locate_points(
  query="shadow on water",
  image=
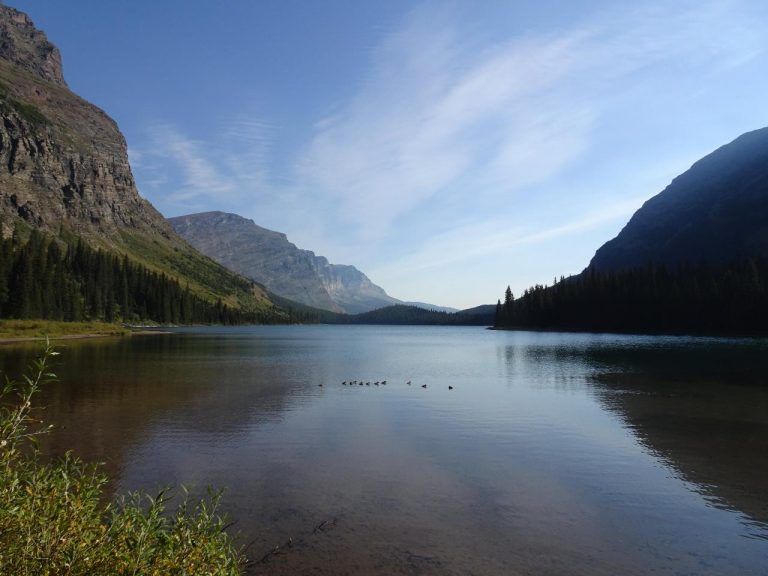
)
(700, 405)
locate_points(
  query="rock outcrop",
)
(64, 161)
(28, 48)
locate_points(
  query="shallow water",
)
(553, 454)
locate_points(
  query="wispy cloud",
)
(225, 170)
(494, 236)
(431, 116)
(451, 145)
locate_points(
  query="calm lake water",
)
(553, 454)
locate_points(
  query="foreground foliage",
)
(53, 520)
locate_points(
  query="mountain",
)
(692, 260)
(432, 307)
(64, 160)
(349, 288)
(715, 213)
(64, 171)
(263, 255)
(269, 258)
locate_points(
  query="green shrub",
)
(53, 520)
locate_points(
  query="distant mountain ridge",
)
(714, 213)
(432, 307)
(268, 257)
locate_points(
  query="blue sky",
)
(446, 149)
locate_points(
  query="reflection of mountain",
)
(703, 410)
(111, 403)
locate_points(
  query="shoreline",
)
(22, 339)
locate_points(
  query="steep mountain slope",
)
(64, 170)
(714, 213)
(64, 159)
(269, 258)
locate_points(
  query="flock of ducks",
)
(377, 383)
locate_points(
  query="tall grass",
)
(53, 519)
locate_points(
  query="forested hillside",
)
(689, 299)
(43, 277)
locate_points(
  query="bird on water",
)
(423, 385)
(450, 387)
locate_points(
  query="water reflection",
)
(704, 412)
(698, 404)
(553, 454)
(113, 394)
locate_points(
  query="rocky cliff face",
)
(349, 288)
(25, 46)
(714, 213)
(270, 259)
(64, 161)
(64, 167)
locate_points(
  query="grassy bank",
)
(53, 520)
(18, 329)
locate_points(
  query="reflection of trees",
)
(701, 405)
(703, 409)
(111, 392)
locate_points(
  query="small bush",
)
(53, 520)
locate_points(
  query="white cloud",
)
(431, 116)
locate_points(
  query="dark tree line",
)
(701, 299)
(46, 279)
(402, 314)
(397, 314)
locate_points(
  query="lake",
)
(552, 454)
